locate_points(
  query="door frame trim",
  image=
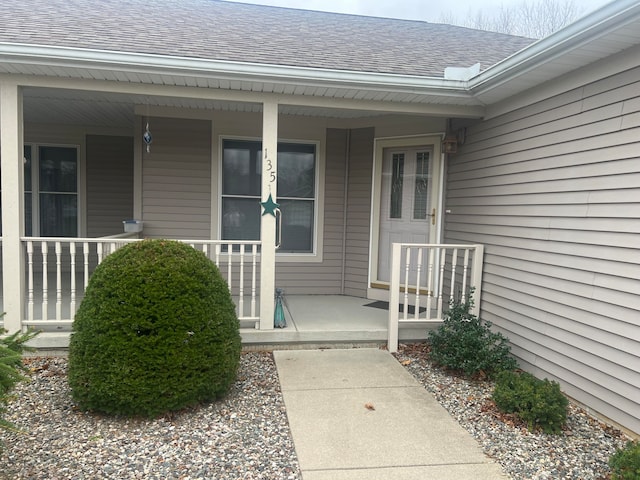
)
(434, 141)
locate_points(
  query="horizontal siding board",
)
(553, 192)
(109, 177)
(512, 154)
(177, 180)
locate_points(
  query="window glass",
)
(421, 197)
(397, 179)
(58, 169)
(58, 215)
(241, 167)
(241, 193)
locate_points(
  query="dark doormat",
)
(385, 306)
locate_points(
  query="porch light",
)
(450, 143)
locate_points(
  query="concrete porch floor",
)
(312, 321)
(329, 320)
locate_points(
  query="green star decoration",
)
(269, 206)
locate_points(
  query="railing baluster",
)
(241, 289)
(465, 270)
(72, 254)
(443, 259)
(99, 249)
(85, 252)
(30, 280)
(58, 249)
(416, 312)
(454, 264)
(254, 255)
(405, 307)
(45, 281)
(229, 266)
(217, 260)
(430, 283)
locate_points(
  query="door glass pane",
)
(397, 178)
(58, 169)
(421, 196)
(297, 226)
(240, 218)
(58, 215)
(28, 208)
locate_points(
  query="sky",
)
(428, 10)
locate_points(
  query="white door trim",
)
(380, 144)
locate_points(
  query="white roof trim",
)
(613, 15)
(75, 58)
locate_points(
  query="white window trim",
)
(316, 255)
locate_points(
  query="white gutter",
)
(598, 23)
(77, 58)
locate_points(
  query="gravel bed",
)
(581, 452)
(243, 436)
(246, 435)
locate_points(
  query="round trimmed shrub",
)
(156, 332)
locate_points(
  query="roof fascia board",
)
(584, 30)
(75, 58)
(431, 109)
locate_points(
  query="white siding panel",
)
(176, 177)
(553, 191)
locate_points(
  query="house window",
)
(51, 191)
(296, 188)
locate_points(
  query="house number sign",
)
(269, 206)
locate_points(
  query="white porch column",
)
(12, 168)
(268, 221)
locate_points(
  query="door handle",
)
(279, 220)
(433, 216)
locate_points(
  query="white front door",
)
(407, 202)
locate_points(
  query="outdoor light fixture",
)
(450, 143)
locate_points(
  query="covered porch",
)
(178, 186)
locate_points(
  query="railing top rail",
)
(438, 245)
(116, 239)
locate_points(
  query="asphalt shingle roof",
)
(218, 30)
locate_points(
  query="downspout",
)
(347, 154)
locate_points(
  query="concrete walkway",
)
(358, 414)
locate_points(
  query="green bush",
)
(11, 368)
(464, 342)
(539, 403)
(625, 463)
(156, 332)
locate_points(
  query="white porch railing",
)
(58, 272)
(425, 278)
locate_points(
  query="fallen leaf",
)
(406, 362)
(369, 406)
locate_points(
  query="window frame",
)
(315, 255)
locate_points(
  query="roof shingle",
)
(219, 30)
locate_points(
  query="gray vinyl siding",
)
(553, 191)
(176, 190)
(359, 211)
(109, 173)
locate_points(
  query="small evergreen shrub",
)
(539, 403)
(625, 463)
(156, 332)
(11, 368)
(464, 342)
